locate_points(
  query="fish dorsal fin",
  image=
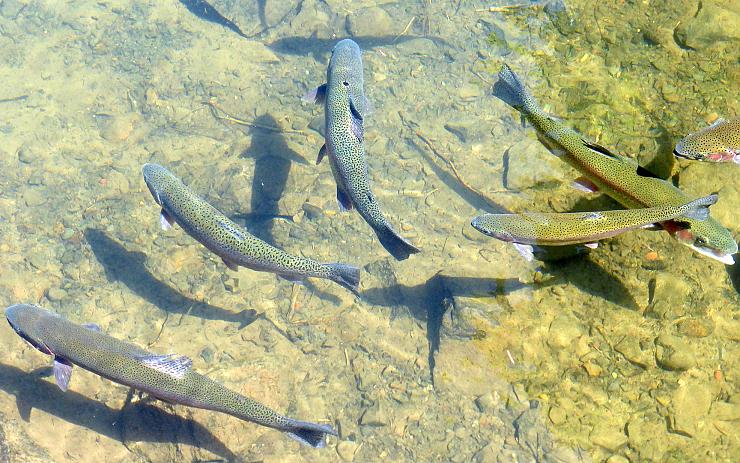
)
(643, 172)
(230, 229)
(169, 364)
(92, 327)
(356, 120)
(602, 150)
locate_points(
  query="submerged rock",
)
(673, 353)
(711, 25)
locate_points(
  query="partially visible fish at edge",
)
(719, 142)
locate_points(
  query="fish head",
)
(344, 76)
(24, 319)
(154, 175)
(707, 237)
(719, 142)
(488, 225)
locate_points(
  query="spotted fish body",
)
(166, 377)
(233, 244)
(720, 142)
(617, 176)
(345, 110)
(559, 229)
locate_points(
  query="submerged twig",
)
(16, 98)
(221, 114)
(405, 29)
(161, 329)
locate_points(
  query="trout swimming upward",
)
(234, 245)
(560, 229)
(345, 109)
(165, 377)
(619, 177)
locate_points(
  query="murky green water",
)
(464, 352)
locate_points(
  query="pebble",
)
(346, 450)
(56, 294)
(28, 155)
(374, 415)
(672, 353)
(609, 437)
(488, 402)
(563, 330)
(695, 327)
(557, 415)
(691, 403)
(118, 128)
(373, 21)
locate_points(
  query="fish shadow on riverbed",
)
(128, 267)
(431, 301)
(273, 161)
(319, 48)
(135, 423)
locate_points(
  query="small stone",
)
(207, 354)
(118, 128)
(695, 328)
(672, 353)
(469, 91)
(592, 369)
(28, 155)
(528, 165)
(373, 21)
(611, 438)
(346, 450)
(617, 459)
(33, 197)
(489, 454)
(557, 415)
(725, 411)
(56, 294)
(374, 415)
(488, 402)
(630, 348)
(563, 330)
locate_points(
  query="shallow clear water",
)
(464, 352)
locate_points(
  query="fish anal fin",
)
(585, 185)
(345, 202)
(62, 372)
(166, 221)
(317, 95)
(322, 154)
(230, 264)
(92, 327)
(172, 365)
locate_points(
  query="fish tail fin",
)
(395, 244)
(699, 208)
(309, 433)
(347, 276)
(510, 89)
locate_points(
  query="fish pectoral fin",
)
(356, 121)
(525, 250)
(62, 372)
(592, 245)
(601, 150)
(345, 202)
(322, 154)
(317, 95)
(585, 185)
(230, 264)
(652, 227)
(92, 327)
(169, 364)
(643, 172)
(166, 221)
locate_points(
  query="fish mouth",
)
(715, 254)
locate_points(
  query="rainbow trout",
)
(165, 377)
(234, 245)
(617, 176)
(345, 108)
(560, 229)
(720, 142)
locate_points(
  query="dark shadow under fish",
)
(207, 12)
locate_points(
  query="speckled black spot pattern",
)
(117, 361)
(346, 105)
(720, 138)
(613, 174)
(231, 242)
(553, 229)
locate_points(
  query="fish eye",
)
(700, 241)
(345, 83)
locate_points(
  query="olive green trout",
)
(165, 377)
(617, 176)
(719, 142)
(560, 229)
(345, 108)
(233, 244)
